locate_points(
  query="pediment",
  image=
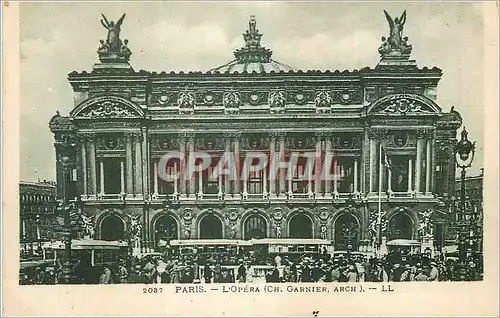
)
(103, 107)
(403, 104)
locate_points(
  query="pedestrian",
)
(207, 273)
(421, 277)
(434, 273)
(242, 272)
(105, 276)
(122, 273)
(352, 275)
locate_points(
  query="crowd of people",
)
(190, 269)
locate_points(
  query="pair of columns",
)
(425, 147)
(131, 171)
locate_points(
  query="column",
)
(418, 164)
(227, 182)
(355, 174)
(236, 145)
(428, 167)
(219, 180)
(128, 164)
(138, 166)
(289, 180)
(373, 167)
(244, 179)
(264, 182)
(328, 153)
(389, 180)
(182, 156)
(272, 150)
(281, 172)
(200, 184)
(433, 165)
(192, 178)
(101, 177)
(122, 177)
(335, 179)
(317, 167)
(93, 167)
(155, 179)
(176, 182)
(145, 163)
(410, 173)
(84, 165)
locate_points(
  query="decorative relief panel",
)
(347, 141)
(107, 109)
(111, 142)
(300, 142)
(231, 102)
(277, 101)
(254, 143)
(186, 102)
(323, 101)
(164, 142)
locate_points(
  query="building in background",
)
(37, 203)
(109, 147)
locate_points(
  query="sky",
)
(58, 38)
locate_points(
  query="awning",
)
(403, 242)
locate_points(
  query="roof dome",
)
(252, 57)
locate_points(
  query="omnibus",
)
(266, 249)
(227, 251)
(93, 256)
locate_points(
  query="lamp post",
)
(350, 205)
(464, 154)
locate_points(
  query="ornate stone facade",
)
(125, 121)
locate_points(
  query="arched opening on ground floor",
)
(300, 226)
(112, 228)
(400, 226)
(255, 227)
(346, 229)
(166, 229)
(210, 227)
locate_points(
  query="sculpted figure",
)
(113, 40)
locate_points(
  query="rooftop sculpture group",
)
(395, 44)
(113, 49)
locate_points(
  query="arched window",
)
(346, 233)
(166, 229)
(112, 228)
(255, 227)
(400, 227)
(300, 226)
(210, 227)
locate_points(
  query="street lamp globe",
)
(464, 147)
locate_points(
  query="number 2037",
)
(152, 290)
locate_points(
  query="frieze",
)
(110, 124)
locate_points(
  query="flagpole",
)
(379, 217)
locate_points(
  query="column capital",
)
(231, 134)
(378, 133)
(425, 133)
(84, 136)
(186, 135)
